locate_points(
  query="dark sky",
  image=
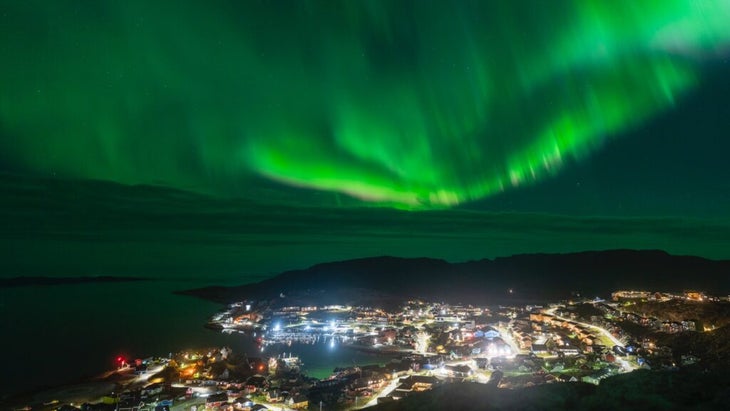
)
(199, 139)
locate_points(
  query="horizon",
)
(89, 223)
(469, 151)
(453, 131)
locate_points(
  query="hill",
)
(639, 390)
(520, 278)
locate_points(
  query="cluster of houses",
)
(449, 328)
(651, 323)
(437, 342)
(689, 295)
(533, 332)
(279, 382)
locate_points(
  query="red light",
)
(120, 359)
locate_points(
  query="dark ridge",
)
(713, 347)
(639, 390)
(28, 281)
(530, 277)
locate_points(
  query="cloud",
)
(89, 227)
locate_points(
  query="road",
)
(625, 365)
(384, 392)
(507, 337)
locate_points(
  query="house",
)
(216, 400)
(671, 327)
(255, 383)
(276, 395)
(242, 403)
(491, 333)
(415, 383)
(566, 378)
(539, 348)
(689, 325)
(298, 402)
(387, 336)
(568, 350)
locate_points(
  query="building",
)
(689, 325)
(695, 295)
(413, 383)
(539, 348)
(216, 400)
(298, 402)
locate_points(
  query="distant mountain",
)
(528, 277)
(28, 281)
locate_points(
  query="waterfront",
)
(60, 334)
(255, 358)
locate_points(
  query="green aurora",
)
(55, 227)
(221, 142)
(412, 104)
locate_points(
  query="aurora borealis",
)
(193, 138)
(409, 104)
(197, 143)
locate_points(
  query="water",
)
(59, 334)
(52, 335)
(321, 358)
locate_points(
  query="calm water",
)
(59, 334)
(321, 358)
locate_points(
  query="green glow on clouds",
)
(410, 104)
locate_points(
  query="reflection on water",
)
(59, 334)
(319, 359)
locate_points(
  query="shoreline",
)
(43, 397)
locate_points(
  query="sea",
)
(63, 334)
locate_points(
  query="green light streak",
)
(422, 105)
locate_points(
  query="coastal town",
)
(424, 344)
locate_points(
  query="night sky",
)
(229, 138)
